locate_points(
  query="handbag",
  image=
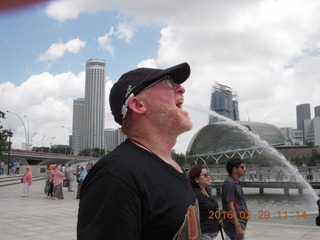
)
(65, 183)
(22, 180)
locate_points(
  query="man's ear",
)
(137, 105)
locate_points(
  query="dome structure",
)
(230, 137)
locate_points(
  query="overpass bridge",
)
(39, 160)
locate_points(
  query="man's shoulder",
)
(228, 179)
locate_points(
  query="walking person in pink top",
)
(57, 183)
(27, 182)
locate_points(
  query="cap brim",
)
(179, 73)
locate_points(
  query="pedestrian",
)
(89, 166)
(138, 191)
(27, 182)
(251, 175)
(11, 170)
(57, 183)
(269, 175)
(69, 173)
(50, 181)
(1, 167)
(233, 201)
(81, 176)
(17, 167)
(209, 208)
(261, 177)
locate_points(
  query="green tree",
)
(179, 158)
(95, 152)
(4, 144)
(310, 144)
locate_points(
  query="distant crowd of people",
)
(14, 167)
(279, 175)
(58, 177)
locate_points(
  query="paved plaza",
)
(38, 218)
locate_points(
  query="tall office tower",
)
(113, 138)
(317, 111)
(78, 125)
(94, 104)
(303, 118)
(313, 133)
(223, 102)
(303, 113)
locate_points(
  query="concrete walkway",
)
(38, 218)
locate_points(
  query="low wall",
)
(37, 170)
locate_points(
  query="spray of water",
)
(268, 148)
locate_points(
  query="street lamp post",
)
(75, 147)
(9, 148)
(31, 139)
(25, 130)
(28, 136)
(42, 143)
(51, 143)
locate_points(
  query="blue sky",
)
(26, 34)
(265, 50)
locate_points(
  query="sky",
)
(265, 50)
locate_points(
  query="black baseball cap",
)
(133, 82)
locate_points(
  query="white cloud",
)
(125, 31)
(58, 50)
(149, 63)
(47, 102)
(267, 51)
(106, 43)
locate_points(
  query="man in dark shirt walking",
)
(233, 201)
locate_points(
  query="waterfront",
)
(273, 207)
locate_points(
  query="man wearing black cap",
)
(138, 191)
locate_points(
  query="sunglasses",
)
(167, 80)
(243, 167)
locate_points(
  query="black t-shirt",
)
(133, 194)
(208, 216)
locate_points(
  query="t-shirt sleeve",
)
(109, 209)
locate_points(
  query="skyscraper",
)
(113, 138)
(313, 131)
(223, 102)
(303, 113)
(78, 125)
(94, 104)
(317, 111)
(303, 118)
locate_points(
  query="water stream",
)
(271, 151)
